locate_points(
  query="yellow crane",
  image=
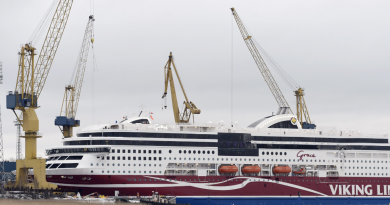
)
(302, 111)
(30, 82)
(190, 107)
(72, 92)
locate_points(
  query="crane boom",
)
(190, 107)
(269, 79)
(29, 84)
(72, 92)
(49, 48)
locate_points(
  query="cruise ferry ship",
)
(272, 161)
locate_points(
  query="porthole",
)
(267, 153)
(208, 152)
(263, 153)
(198, 151)
(189, 151)
(179, 151)
(170, 151)
(285, 153)
(185, 151)
(280, 153)
(203, 152)
(276, 153)
(272, 153)
(212, 152)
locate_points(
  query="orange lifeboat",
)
(228, 169)
(301, 171)
(281, 170)
(251, 169)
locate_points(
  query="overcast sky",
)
(337, 50)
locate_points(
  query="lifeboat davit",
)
(301, 171)
(281, 170)
(251, 169)
(228, 169)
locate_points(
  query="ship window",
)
(118, 158)
(144, 158)
(150, 158)
(69, 165)
(208, 152)
(113, 151)
(263, 153)
(212, 152)
(276, 153)
(203, 152)
(144, 151)
(198, 151)
(78, 158)
(128, 158)
(139, 151)
(63, 158)
(272, 153)
(113, 158)
(123, 151)
(185, 151)
(267, 153)
(285, 153)
(179, 151)
(118, 151)
(155, 158)
(123, 158)
(134, 151)
(139, 158)
(128, 151)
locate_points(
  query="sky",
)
(338, 51)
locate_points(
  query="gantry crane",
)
(190, 107)
(29, 84)
(269, 79)
(72, 92)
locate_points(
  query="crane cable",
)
(281, 72)
(43, 24)
(272, 63)
(95, 69)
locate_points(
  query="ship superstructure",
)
(272, 159)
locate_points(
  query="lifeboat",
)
(301, 171)
(228, 169)
(281, 170)
(251, 169)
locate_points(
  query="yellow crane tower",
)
(190, 107)
(30, 82)
(269, 79)
(72, 92)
